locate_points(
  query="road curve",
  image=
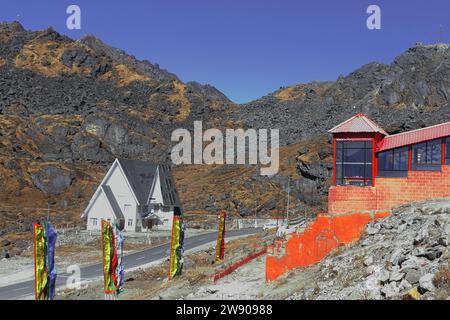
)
(132, 260)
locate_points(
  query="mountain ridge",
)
(68, 108)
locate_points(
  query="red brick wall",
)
(390, 192)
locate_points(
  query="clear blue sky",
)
(246, 48)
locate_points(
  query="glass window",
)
(94, 221)
(427, 155)
(130, 222)
(447, 150)
(393, 163)
(354, 163)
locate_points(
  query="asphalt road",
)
(133, 260)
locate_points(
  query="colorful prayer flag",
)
(109, 258)
(177, 247)
(44, 261)
(112, 249)
(119, 249)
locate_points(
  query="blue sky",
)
(247, 48)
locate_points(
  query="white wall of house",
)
(124, 197)
(165, 217)
(99, 210)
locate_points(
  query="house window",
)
(427, 155)
(126, 208)
(447, 150)
(94, 221)
(130, 222)
(393, 163)
(166, 209)
(354, 163)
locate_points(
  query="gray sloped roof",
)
(168, 188)
(140, 175)
(112, 200)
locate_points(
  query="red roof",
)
(415, 136)
(358, 124)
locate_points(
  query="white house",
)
(136, 194)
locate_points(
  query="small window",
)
(130, 222)
(94, 221)
(126, 208)
(447, 150)
(427, 155)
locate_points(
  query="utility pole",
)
(441, 34)
(254, 193)
(287, 203)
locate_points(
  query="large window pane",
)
(420, 153)
(427, 155)
(436, 152)
(354, 163)
(354, 155)
(393, 163)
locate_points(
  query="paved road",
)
(133, 260)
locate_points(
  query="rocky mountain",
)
(410, 93)
(68, 108)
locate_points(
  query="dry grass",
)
(44, 57)
(2, 62)
(300, 91)
(124, 75)
(179, 99)
(442, 278)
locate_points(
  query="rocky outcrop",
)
(52, 180)
(406, 255)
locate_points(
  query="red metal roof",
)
(415, 136)
(358, 124)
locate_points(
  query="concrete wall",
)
(321, 237)
(390, 192)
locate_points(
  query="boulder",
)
(383, 276)
(396, 275)
(4, 255)
(426, 282)
(368, 261)
(413, 276)
(5, 243)
(390, 290)
(52, 180)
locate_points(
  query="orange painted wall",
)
(319, 239)
(390, 192)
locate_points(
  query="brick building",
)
(373, 170)
(372, 173)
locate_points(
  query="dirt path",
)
(247, 282)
